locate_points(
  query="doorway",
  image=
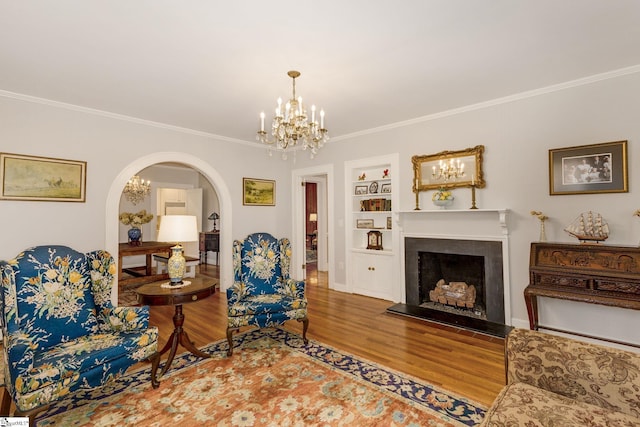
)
(207, 171)
(313, 233)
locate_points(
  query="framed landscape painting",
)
(258, 192)
(42, 178)
(588, 169)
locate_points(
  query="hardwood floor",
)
(466, 363)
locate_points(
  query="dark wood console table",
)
(595, 274)
(209, 241)
(145, 248)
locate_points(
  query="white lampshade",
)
(178, 228)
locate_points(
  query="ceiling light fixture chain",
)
(292, 127)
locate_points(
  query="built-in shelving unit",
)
(372, 240)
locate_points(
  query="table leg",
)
(179, 336)
(148, 265)
(531, 301)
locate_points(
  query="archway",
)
(216, 180)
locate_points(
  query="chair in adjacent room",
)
(263, 294)
(61, 332)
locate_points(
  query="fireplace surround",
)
(476, 262)
(470, 234)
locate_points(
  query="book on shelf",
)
(376, 205)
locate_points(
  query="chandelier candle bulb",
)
(321, 119)
(262, 121)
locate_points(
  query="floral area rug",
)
(272, 379)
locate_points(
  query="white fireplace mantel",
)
(454, 215)
(465, 224)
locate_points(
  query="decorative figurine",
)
(589, 227)
(542, 217)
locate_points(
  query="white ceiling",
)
(212, 66)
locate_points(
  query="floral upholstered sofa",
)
(558, 381)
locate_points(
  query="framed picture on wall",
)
(258, 192)
(588, 169)
(42, 178)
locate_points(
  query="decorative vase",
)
(176, 265)
(442, 198)
(543, 235)
(135, 236)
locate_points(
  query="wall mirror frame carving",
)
(423, 167)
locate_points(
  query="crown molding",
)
(498, 101)
(452, 112)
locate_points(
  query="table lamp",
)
(214, 217)
(177, 228)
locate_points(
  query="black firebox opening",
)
(434, 267)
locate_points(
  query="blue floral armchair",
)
(60, 331)
(263, 294)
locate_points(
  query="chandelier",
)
(291, 127)
(448, 170)
(136, 189)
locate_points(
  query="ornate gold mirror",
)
(448, 169)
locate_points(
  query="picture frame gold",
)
(258, 192)
(424, 167)
(589, 169)
(43, 179)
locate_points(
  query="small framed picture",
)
(361, 189)
(588, 169)
(258, 192)
(385, 188)
(373, 187)
(388, 223)
(364, 223)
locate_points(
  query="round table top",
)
(155, 294)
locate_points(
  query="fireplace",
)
(457, 277)
(452, 282)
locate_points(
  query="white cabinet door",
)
(372, 275)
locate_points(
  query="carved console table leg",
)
(532, 309)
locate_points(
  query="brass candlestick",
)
(415, 190)
(473, 197)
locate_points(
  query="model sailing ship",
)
(589, 226)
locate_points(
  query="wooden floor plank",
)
(463, 362)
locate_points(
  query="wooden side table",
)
(154, 294)
(209, 241)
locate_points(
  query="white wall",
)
(110, 146)
(517, 136)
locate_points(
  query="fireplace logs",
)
(457, 294)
